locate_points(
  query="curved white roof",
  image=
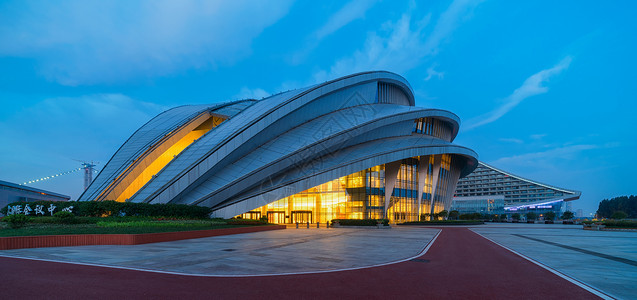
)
(287, 141)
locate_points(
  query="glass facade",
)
(488, 181)
(361, 195)
(483, 205)
(433, 127)
(159, 155)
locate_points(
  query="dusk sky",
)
(545, 89)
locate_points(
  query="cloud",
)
(538, 136)
(541, 158)
(247, 93)
(79, 42)
(401, 45)
(534, 85)
(350, 12)
(431, 73)
(512, 140)
(44, 139)
(75, 127)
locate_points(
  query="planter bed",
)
(17, 242)
(364, 227)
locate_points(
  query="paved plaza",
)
(462, 262)
(270, 252)
(605, 260)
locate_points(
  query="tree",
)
(618, 215)
(454, 214)
(531, 216)
(549, 216)
(515, 216)
(567, 215)
(627, 204)
(424, 217)
(442, 214)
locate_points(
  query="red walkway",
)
(460, 264)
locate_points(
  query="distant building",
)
(520, 195)
(11, 192)
(579, 213)
(481, 204)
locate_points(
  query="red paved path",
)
(462, 265)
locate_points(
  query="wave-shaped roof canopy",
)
(224, 154)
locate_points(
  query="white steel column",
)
(422, 175)
(434, 182)
(391, 174)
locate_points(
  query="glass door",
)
(302, 216)
(277, 217)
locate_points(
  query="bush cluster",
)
(357, 222)
(473, 216)
(16, 221)
(615, 223)
(113, 208)
(444, 222)
(247, 221)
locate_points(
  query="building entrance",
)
(277, 217)
(302, 216)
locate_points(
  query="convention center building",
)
(489, 190)
(355, 147)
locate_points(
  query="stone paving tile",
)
(612, 277)
(270, 252)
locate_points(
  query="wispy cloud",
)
(350, 12)
(538, 136)
(43, 139)
(68, 126)
(401, 45)
(512, 140)
(79, 42)
(433, 73)
(248, 93)
(534, 85)
(541, 158)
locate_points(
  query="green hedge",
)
(356, 222)
(444, 222)
(112, 208)
(246, 222)
(615, 223)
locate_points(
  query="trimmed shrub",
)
(64, 217)
(357, 222)
(16, 221)
(616, 223)
(243, 222)
(445, 222)
(471, 216)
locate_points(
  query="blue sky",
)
(546, 90)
